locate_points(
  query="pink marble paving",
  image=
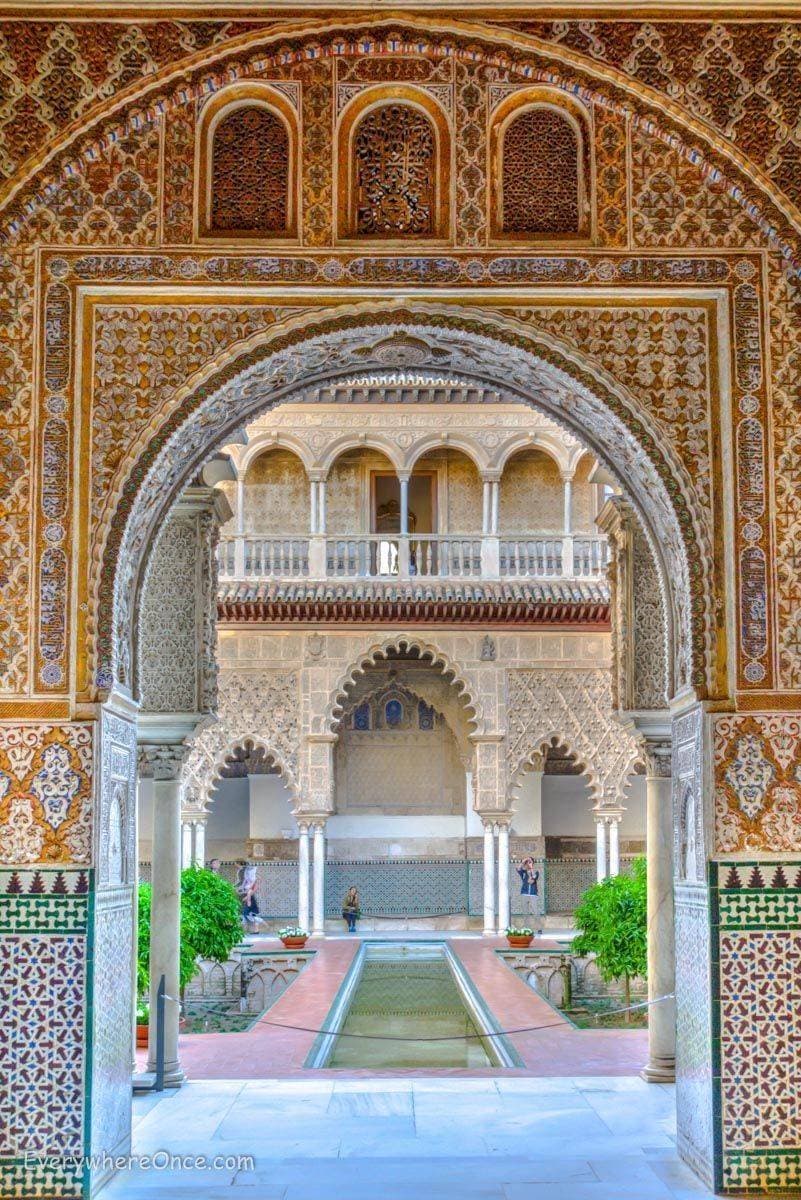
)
(277, 1046)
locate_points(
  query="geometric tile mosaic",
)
(42, 1007)
(757, 1024)
(53, 1178)
(44, 901)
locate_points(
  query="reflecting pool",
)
(408, 1005)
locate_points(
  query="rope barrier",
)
(459, 1037)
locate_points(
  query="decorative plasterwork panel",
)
(16, 406)
(690, 840)
(168, 622)
(785, 382)
(46, 780)
(720, 87)
(571, 708)
(262, 707)
(758, 783)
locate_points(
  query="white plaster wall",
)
(567, 807)
(527, 820)
(270, 807)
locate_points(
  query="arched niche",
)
(541, 168)
(247, 158)
(394, 167)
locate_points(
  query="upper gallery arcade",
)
(441, 331)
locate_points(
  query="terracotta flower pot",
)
(294, 943)
(141, 1037)
(519, 941)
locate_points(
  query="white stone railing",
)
(416, 556)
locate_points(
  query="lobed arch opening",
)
(400, 649)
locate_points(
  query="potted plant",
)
(142, 1023)
(293, 937)
(519, 937)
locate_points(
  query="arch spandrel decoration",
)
(533, 369)
(262, 707)
(536, 60)
(574, 708)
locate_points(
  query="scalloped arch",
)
(375, 651)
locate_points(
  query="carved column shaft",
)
(163, 764)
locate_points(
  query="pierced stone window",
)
(247, 146)
(541, 170)
(393, 148)
(395, 152)
(250, 173)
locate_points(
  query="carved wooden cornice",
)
(550, 604)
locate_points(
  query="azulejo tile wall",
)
(756, 950)
(45, 917)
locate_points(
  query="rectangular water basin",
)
(407, 1005)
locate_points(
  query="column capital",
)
(608, 815)
(658, 757)
(162, 762)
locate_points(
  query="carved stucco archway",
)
(571, 707)
(459, 682)
(524, 364)
(259, 706)
(528, 59)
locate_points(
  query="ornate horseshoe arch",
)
(523, 364)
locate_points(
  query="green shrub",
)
(211, 924)
(612, 920)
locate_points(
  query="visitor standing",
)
(350, 909)
(215, 866)
(246, 884)
(529, 886)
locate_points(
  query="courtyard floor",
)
(277, 1045)
(325, 1138)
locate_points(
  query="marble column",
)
(489, 879)
(503, 877)
(318, 871)
(303, 875)
(567, 481)
(495, 489)
(485, 509)
(661, 1065)
(321, 506)
(600, 848)
(404, 505)
(199, 851)
(614, 845)
(163, 764)
(186, 842)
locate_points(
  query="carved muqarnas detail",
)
(250, 173)
(395, 172)
(541, 174)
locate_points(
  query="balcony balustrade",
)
(403, 558)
